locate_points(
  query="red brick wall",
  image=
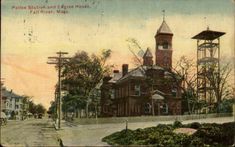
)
(164, 56)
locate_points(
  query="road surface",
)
(30, 132)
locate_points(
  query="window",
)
(164, 108)
(17, 107)
(17, 100)
(160, 47)
(165, 45)
(112, 93)
(137, 90)
(147, 108)
(174, 92)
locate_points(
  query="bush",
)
(177, 124)
(195, 125)
(226, 106)
(124, 137)
(196, 142)
(163, 135)
(210, 133)
(228, 133)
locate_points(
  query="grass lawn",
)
(177, 134)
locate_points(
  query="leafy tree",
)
(25, 105)
(40, 109)
(52, 109)
(36, 108)
(81, 75)
(32, 107)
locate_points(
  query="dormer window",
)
(165, 45)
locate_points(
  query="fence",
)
(147, 118)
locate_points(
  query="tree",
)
(25, 105)
(186, 69)
(52, 109)
(219, 83)
(32, 107)
(81, 76)
(40, 109)
(35, 108)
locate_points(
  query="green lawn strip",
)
(163, 135)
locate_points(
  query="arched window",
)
(147, 108)
(165, 108)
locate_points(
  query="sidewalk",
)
(81, 135)
(91, 135)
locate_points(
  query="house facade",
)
(149, 89)
(12, 104)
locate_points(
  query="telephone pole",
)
(58, 61)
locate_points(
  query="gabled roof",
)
(164, 29)
(138, 72)
(7, 93)
(148, 53)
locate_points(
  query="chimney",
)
(115, 71)
(124, 69)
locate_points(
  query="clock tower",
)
(163, 40)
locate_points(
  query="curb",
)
(59, 139)
(61, 142)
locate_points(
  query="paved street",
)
(40, 132)
(31, 132)
(91, 135)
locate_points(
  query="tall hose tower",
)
(208, 61)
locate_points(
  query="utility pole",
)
(58, 61)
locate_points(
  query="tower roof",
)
(164, 28)
(148, 53)
(208, 35)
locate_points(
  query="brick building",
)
(148, 89)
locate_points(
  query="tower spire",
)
(163, 15)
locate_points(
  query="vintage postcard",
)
(117, 73)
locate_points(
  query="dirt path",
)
(32, 132)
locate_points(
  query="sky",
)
(29, 37)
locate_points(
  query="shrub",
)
(210, 133)
(123, 137)
(195, 125)
(182, 139)
(177, 124)
(228, 133)
(198, 142)
(163, 135)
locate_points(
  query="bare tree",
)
(219, 83)
(186, 69)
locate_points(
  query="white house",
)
(12, 104)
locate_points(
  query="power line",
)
(59, 61)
